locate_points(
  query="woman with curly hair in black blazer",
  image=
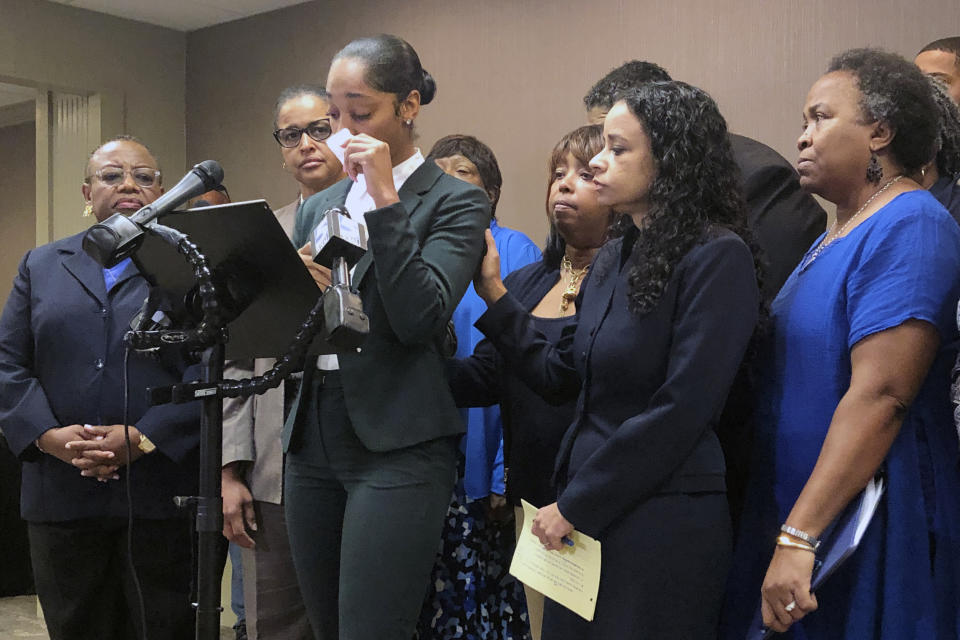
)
(666, 315)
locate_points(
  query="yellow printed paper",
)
(570, 577)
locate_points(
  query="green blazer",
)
(422, 254)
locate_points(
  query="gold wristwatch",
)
(145, 444)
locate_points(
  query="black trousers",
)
(364, 526)
(85, 586)
(16, 578)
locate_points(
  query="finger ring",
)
(790, 607)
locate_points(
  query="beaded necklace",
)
(834, 233)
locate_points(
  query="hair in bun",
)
(392, 66)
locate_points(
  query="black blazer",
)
(651, 386)
(532, 428)
(61, 363)
(784, 218)
(423, 252)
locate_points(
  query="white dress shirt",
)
(357, 204)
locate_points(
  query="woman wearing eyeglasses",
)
(371, 441)
(61, 407)
(301, 124)
(252, 476)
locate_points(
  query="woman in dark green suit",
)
(371, 440)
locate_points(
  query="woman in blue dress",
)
(857, 379)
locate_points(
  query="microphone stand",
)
(211, 335)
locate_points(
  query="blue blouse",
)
(904, 581)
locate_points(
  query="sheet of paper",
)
(570, 577)
(336, 141)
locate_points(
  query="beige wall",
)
(513, 72)
(17, 195)
(142, 67)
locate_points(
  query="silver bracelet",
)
(803, 535)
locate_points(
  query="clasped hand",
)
(98, 451)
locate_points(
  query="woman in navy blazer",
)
(61, 407)
(665, 317)
(533, 428)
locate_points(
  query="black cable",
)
(288, 363)
(126, 437)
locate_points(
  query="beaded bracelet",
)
(784, 541)
(803, 535)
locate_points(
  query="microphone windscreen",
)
(210, 172)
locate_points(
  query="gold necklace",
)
(576, 275)
(831, 236)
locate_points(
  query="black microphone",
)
(118, 237)
(338, 243)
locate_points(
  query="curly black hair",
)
(480, 155)
(896, 92)
(697, 184)
(948, 140)
(627, 76)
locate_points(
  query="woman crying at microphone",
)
(371, 440)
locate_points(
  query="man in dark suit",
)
(784, 219)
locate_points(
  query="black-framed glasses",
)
(290, 137)
(143, 177)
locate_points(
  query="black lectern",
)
(245, 296)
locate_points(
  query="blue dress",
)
(904, 581)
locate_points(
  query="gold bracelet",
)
(784, 541)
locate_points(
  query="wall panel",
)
(513, 72)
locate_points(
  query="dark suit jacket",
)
(784, 218)
(532, 428)
(651, 386)
(61, 363)
(422, 254)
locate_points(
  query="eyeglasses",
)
(114, 176)
(290, 137)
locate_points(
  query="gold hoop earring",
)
(88, 210)
(283, 165)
